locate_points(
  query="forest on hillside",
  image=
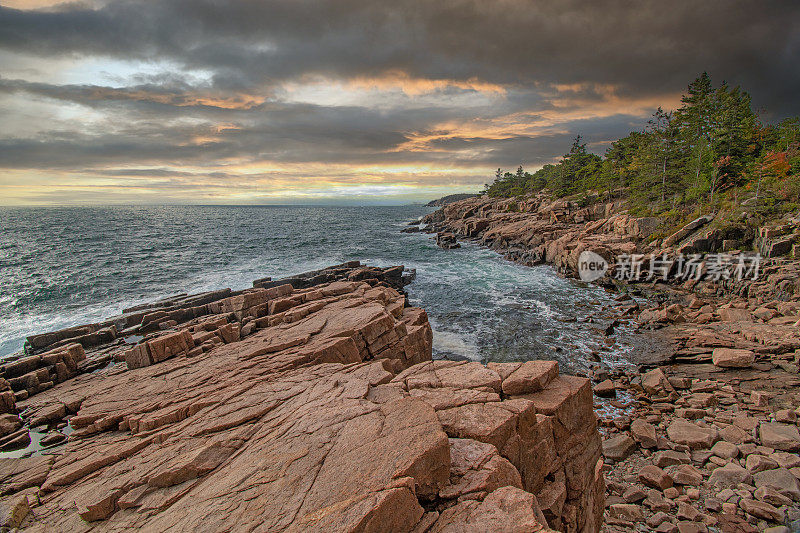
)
(712, 153)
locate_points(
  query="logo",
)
(709, 267)
(591, 266)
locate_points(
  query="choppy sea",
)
(61, 267)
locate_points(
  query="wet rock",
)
(447, 240)
(605, 389)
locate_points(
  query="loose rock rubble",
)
(703, 449)
(313, 408)
(722, 420)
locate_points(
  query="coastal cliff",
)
(539, 229)
(304, 404)
(704, 434)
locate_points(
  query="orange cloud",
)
(565, 108)
(232, 102)
(31, 4)
(398, 79)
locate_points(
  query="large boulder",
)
(732, 358)
(729, 476)
(618, 447)
(783, 437)
(779, 479)
(682, 431)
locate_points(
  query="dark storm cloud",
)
(161, 97)
(640, 46)
(456, 84)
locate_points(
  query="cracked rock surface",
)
(313, 409)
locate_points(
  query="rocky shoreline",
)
(311, 403)
(704, 436)
(304, 404)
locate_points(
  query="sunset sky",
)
(350, 101)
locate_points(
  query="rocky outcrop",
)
(396, 277)
(447, 240)
(28, 375)
(308, 409)
(541, 230)
(539, 422)
(211, 318)
(182, 307)
(449, 199)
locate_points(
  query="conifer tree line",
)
(712, 152)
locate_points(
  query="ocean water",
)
(61, 267)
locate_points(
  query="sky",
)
(350, 101)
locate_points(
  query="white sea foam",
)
(455, 343)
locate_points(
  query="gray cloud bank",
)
(553, 60)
